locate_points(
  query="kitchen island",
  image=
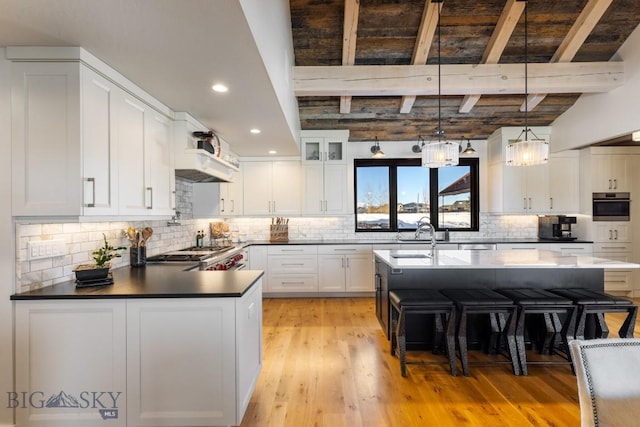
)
(163, 345)
(442, 269)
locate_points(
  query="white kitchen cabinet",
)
(324, 172)
(271, 188)
(611, 172)
(525, 189)
(192, 361)
(344, 268)
(231, 199)
(563, 182)
(66, 351)
(213, 199)
(85, 146)
(292, 268)
(611, 231)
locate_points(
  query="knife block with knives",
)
(279, 230)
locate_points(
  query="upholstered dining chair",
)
(608, 375)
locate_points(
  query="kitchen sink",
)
(395, 254)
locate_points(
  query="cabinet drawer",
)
(293, 264)
(292, 250)
(344, 249)
(573, 248)
(618, 280)
(612, 247)
(293, 283)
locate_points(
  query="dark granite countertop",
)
(155, 281)
(514, 240)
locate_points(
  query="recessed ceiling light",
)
(218, 87)
(272, 151)
(255, 131)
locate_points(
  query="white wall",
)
(7, 247)
(598, 117)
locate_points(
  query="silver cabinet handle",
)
(524, 199)
(93, 192)
(616, 233)
(610, 234)
(269, 203)
(550, 202)
(615, 183)
(342, 262)
(298, 264)
(274, 205)
(233, 205)
(222, 201)
(609, 184)
(529, 202)
(320, 205)
(348, 266)
(150, 190)
(292, 283)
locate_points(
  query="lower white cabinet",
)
(67, 353)
(292, 268)
(345, 268)
(148, 362)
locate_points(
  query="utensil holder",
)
(138, 256)
(279, 233)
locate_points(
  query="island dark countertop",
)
(155, 281)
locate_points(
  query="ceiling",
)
(176, 49)
(387, 32)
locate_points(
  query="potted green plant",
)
(101, 256)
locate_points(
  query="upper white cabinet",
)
(84, 146)
(324, 172)
(271, 187)
(231, 200)
(546, 188)
(605, 169)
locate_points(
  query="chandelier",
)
(439, 152)
(526, 150)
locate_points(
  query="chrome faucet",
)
(423, 223)
(174, 219)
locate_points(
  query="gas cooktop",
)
(192, 254)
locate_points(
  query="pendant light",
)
(469, 150)
(525, 150)
(440, 153)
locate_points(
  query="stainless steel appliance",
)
(611, 206)
(556, 227)
(206, 258)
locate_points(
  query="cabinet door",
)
(45, 139)
(611, 231)
(257, 187)
(286, 188)
(99, 145)
(313, 201)
(514, 198)
(159, 176)
(359, 273)
(312, 149)
(69, 350)
(537, 188)
(332, 273)
(335, 189)
(131, 184)
(621, 172)
(563, 185)
(231, 197)
(334, 151)
(181, 362)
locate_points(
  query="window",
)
(393, 194)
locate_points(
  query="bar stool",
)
(484, 301)
(550, 305)
(422, 301)
(598, 303)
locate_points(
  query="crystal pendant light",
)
(526, 150)
(440, 153)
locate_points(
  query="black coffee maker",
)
(556, 227)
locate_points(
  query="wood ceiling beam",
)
(457, 79)
(424, 40)
(501, 34)
(575, 38)
(349, 36)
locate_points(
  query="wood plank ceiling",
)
(370, 66)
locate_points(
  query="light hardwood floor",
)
(328, 363)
